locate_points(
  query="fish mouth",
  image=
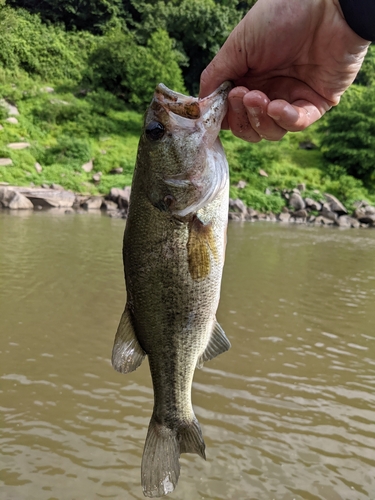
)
(192, 107)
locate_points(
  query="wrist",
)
(359, 15)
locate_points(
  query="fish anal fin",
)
(127, 354)
(201, 244)
(217, 344)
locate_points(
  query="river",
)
(288, 413)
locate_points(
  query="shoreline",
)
(327, 212)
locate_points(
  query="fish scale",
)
(174, 246)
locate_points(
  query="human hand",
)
(290, 62)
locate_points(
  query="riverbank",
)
(298, 209)
(87, 143)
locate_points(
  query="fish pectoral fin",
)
(201, 245)
(217, 344)
(127, 354)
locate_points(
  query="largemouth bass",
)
(174, 246)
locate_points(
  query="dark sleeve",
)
(360, 15)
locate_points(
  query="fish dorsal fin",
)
(127, 354)
(217, 344)
(201, 245)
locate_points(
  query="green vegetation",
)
(104, 58)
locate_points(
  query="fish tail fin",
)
(160, 462)
(191, 439)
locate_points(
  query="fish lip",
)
(191, 107)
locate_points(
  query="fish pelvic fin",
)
(127, 354)
(160, 468)
(217, 344)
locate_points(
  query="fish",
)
(173, 253)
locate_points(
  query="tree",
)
(349, 134)
(366, 76)
(132, 71)
(90, 15)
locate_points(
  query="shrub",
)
(349, 134)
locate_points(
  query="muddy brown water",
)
(288, 413)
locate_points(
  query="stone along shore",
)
(298, 209)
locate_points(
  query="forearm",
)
(360, 16)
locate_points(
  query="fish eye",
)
(155, 131)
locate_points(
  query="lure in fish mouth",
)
(174, 247)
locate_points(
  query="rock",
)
(307, 145)
(4, 162)
(109, 205)
(49, 90)
(311, 218)
(329, 214)
(59, 101)
(11, 109)
(335, 204)
(252, 213)
(301, 187)
(285, 210)
(263, 173)
(116, 171)
(45, 186)
(360, 204)
(354, 223)
(120, 196)
(314, 205)
(237, 206)
(4, 183)
(50, 198)
(18, 145)
(369, 210)
(93, 203)
(14, 200)
(272, 217)
(367, 219)
(300, 214)
(79, 200)
(56, 187)
(87, 167)
(96, 177)
(1, 127)
(236, 216)
(268, 191)
(296, 201)
(343, 221)
(241, 184)
(323, 220)
(284, 217)
(12, 120)
(296, 190)
(118, 214)
(38, 168)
